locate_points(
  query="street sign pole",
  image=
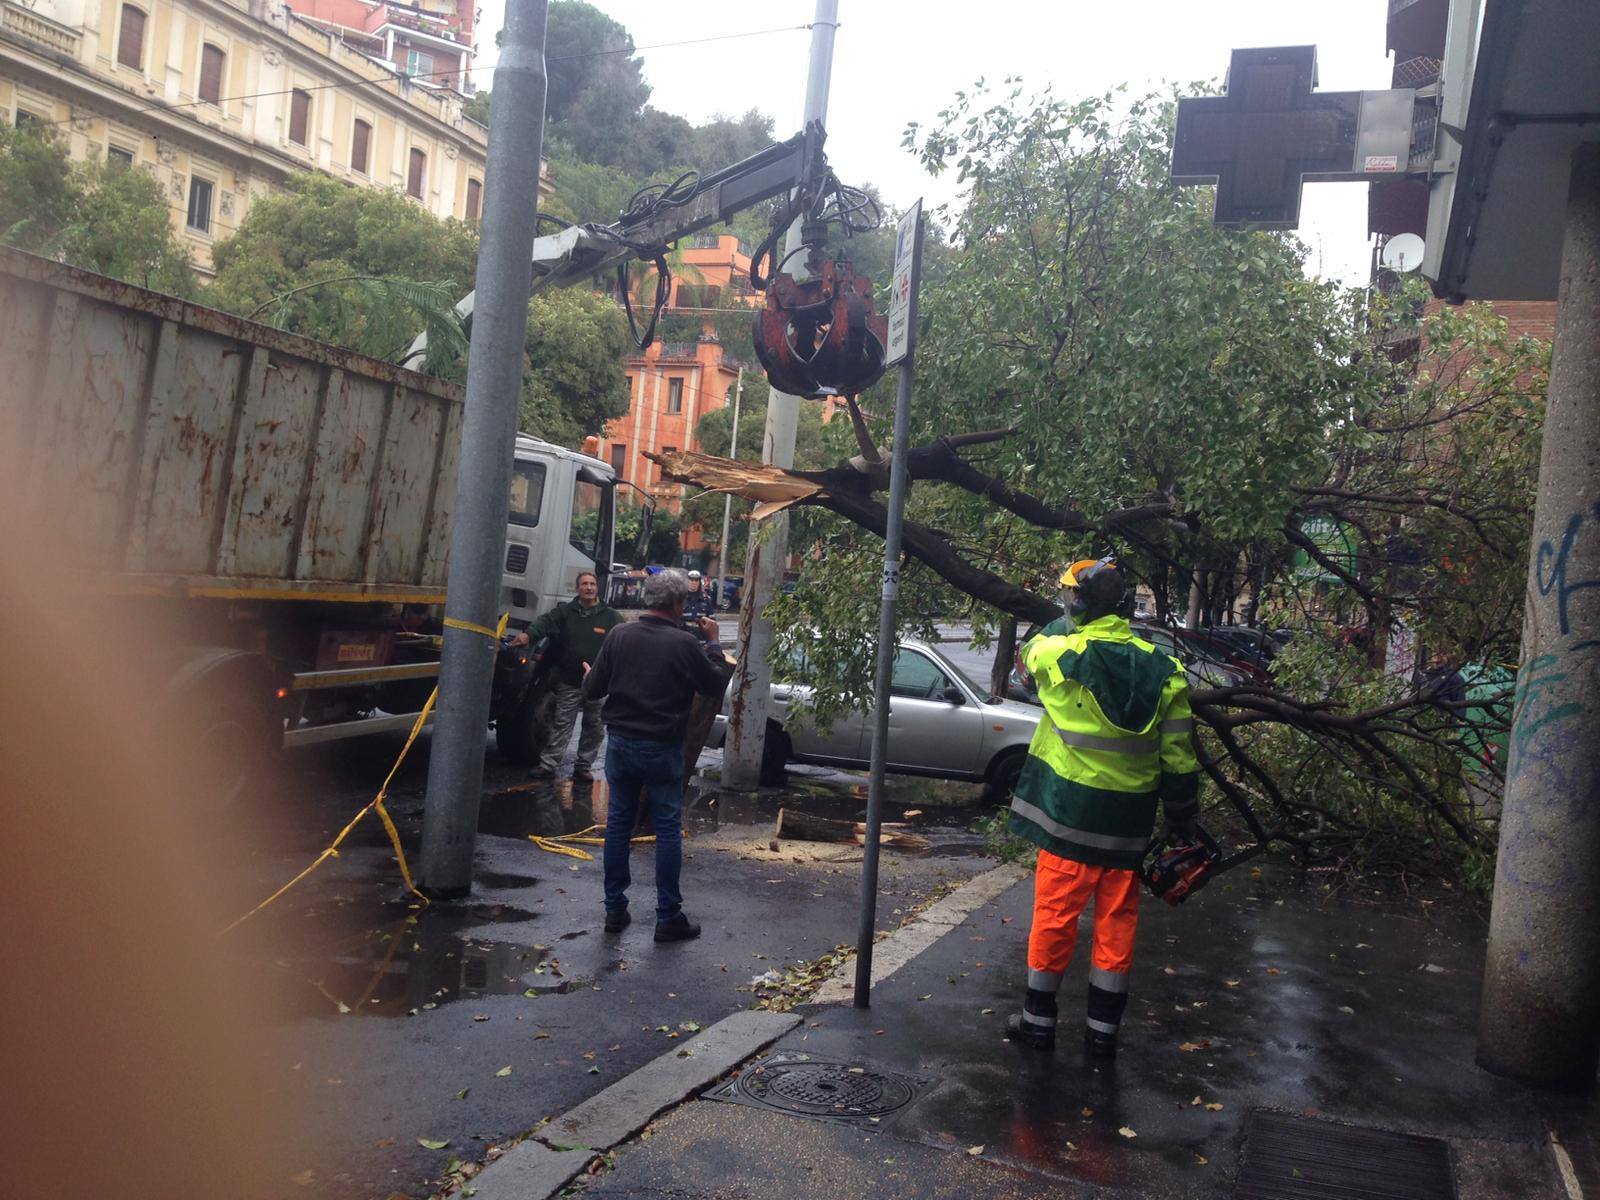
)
(727, 501)
(488, 439)
(901, 348)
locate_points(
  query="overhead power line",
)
(356, 83)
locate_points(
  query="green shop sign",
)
(1335, 540)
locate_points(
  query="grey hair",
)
(664, 589)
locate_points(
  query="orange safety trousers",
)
(1062, 889)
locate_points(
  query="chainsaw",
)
(1177, 865)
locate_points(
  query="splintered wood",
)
(811, 828)
(773, 488)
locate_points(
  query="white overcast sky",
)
(897, 61)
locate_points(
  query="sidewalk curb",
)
(922, 931)
(543, 1164)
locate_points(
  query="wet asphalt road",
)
(387, 1014)
(1259, 993)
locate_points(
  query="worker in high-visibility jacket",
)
(1116, 739)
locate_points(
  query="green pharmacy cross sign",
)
(1334, 542)
(1271, 132)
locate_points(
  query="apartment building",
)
(223, 100)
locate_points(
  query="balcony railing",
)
(678, 349)
(42, 31)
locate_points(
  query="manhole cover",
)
(830, 1091)
(1290, 1158)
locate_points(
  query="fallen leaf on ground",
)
(589, 1055)
(987, 1012)
(304, 1178)
(541, 1037)
(594, 1070)
(912, 812)
(613, 1049)
(1274, 971)
(433, 1143)
(1231, 982)
(1363, 945)
(975, 1150)
(1195, 1101)
(462, 1094)
(929, 996)
(483, 1016)
(1345, 1008)
(1168, 971)
(1187, 1047)
(691, 1026)
(1201, 1159)
(1127, 1133)
(503, 1071)
(1214, 1107)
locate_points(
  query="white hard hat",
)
(694, 574)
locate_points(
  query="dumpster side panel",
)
(341, 493)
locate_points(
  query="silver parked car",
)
(940, 724)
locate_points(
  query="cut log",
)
(808, 827)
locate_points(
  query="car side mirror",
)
(953, 695)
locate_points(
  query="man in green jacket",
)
(577, 627)
(1115, 742)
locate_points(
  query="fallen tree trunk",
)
(807, 827)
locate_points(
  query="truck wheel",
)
(230, 740)
(520, 735)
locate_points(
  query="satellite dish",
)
(1402, 253)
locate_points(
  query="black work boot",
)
(1099, 1044)
(677, 929)
(1025, 1033)
(617, 920)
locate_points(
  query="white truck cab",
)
(562, 519)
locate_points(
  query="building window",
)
(212, 60)
(418, 63)
(26, 118)
(619, 457)
(360, 139)
(200, 205)
(299, 116)
(674, 395)
(474, 199)
(130, 40)
(419, 163)
(116, 156)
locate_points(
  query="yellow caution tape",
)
(563, 843)
(474, 627)
(376, 802)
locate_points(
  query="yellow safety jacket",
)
(1116, 738)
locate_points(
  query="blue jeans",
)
(635, 766)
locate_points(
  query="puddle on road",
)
(940, 811)
(419, 961)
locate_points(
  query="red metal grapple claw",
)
(823, 336)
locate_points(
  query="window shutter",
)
(474, 199)
(414, 178)
(211, 62)
(299, 116)
(359, 137)
(130, 42)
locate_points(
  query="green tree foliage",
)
(1141, 383)
(596, 85)
(99, 217)
(574, 382)
(370, 269)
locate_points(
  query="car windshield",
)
(951, 669)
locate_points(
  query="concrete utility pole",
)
(1540, 1019)
(751, 701)
(727, 501)
(488, 441)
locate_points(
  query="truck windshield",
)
(592, 520)
(527, 492)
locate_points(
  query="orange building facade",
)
(673, 384)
